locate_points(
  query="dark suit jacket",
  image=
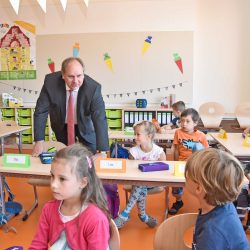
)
(91, 118)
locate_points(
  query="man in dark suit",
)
(91, 127)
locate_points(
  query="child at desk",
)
(145, 149)
(178, 108)
(185, 139)
(78, 218)
(214, 177)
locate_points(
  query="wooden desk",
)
(132, 176)
(6, 130)
(234, 145)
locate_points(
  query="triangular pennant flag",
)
(143, 92)
(64, 4)
(42, 4)
(159, 89)
(36, 92)
(24, 90)
(86, 2)
(120, 95)
(30, 91)
(114, 95)
(14, 87)
(173, 86)
(151, 91)
(135, 93)
(108, 96)
(15, 5)
(128, 94)
(180, 84)
(166, 88)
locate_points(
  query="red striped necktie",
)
(70, 119)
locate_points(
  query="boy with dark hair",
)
(185, 139)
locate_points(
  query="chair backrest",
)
(58, 145)
(114, 241)
(170, 233)
(211, 114)
(242, 112)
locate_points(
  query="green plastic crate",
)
(114, 123)
(47, 131)
(115, 113)
(25, 121)
(27, 139)
(24, 112)
(27, 131)
(8, 118)
(8, 112)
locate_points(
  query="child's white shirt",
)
(153, 155)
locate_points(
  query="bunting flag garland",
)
(166, 88)
(19, 88)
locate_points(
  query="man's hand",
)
(38, 148)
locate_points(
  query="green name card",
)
(16, 160)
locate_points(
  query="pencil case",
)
(153, 166)
(47, 157)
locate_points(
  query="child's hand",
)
(247, 131)
(164, 129)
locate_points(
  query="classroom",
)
(146, 55)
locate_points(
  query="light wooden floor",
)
(134, 236)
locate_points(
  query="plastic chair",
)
(170, 233)
(114, 241)
(211, 114)
(242, 113)
(40, 182)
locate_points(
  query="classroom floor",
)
(134, 236)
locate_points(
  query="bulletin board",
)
(129, 65)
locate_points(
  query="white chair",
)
(114, 241)
(242, 113)
(40, 182)
(211, 114)
(170, 234)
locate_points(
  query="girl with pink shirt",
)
(78, 218)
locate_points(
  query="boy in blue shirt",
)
(214, 177)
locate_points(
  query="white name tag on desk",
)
(110, 165)
(16, 160)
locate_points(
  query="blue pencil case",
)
(47, 157)
(153, 166)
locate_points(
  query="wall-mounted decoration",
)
(76, 49)
(146, 45)
(178, 61)
(17, 51)
(51, 65)
(108, 61)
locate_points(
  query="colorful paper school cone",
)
(146, 45)
(51, 65)
(178, 61)
(76, 48)
(108, 61)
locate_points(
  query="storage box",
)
(115, 113)
(27, 131)
(8, 112)
(8, 118)
(27, 139)
(115, 123)
(24, 112)
(25, 121)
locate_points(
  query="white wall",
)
(221, 35)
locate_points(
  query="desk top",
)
(133, 174)
(8, 130)
(233, 144)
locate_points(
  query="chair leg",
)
(167, 201)
(126, 194)
(35, 204)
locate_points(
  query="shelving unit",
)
(117, 118)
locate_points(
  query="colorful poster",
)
(17, 51)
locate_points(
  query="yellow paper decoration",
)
(222, 134)
(179, 168)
